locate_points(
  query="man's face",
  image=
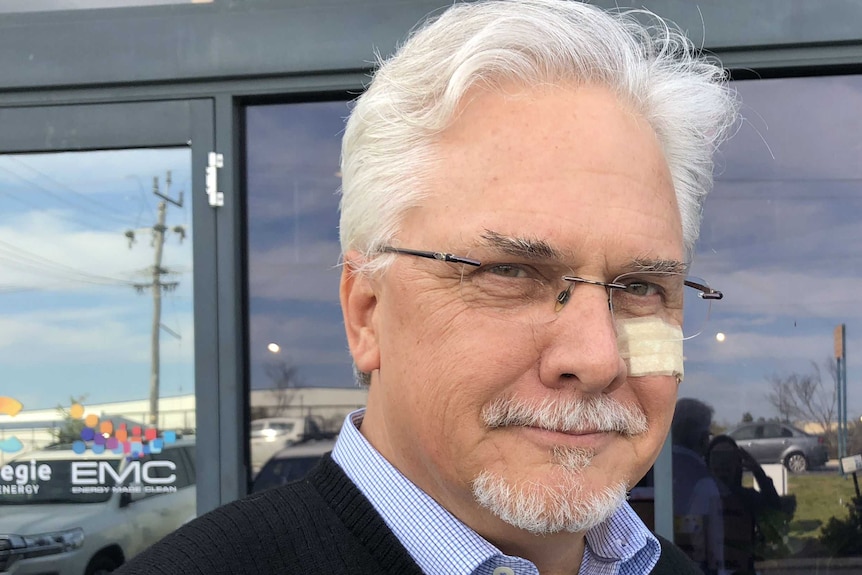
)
(571, 169)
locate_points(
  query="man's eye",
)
(508, 270)
(642, 289)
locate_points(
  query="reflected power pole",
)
(157, 285)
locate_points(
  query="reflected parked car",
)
(291, 463)
(770, 442)
(69, 513)
(269, 435)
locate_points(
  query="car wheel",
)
(101, 565)
(796, 463)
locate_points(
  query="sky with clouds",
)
(780, 238)
(72, 323)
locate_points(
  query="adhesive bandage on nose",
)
(650, 346)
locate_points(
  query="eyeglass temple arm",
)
(706, 292)
(442, 256)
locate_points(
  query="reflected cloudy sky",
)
(781, 238)
(292, 165)
(72, 323)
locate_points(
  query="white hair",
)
(388, 149)
(567, 414)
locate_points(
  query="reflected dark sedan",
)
(291, 463)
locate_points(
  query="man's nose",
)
(581, 345)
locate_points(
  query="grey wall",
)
(229, 40)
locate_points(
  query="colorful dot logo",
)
(10, 407)
(133, 442)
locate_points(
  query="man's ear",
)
(358, 305)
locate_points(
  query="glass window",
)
(96, 344)
(95, 295)
(781, 238)
(301, 372)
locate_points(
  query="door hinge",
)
(214, 162)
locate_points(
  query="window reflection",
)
(781, 233)
(86, 238)
(97, 406)
(300, 368)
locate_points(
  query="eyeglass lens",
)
(525, 292)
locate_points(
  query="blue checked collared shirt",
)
(442, 545)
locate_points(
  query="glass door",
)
(102, 206)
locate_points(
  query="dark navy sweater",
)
(321, 525)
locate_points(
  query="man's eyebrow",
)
(532, 248)
(656, 265)
(523, 247)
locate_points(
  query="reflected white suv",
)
(66, 513)
(272, 434)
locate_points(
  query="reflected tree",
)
(804, 397)
(70, 427)
(843, 537)
(285, 381)
(854, 437)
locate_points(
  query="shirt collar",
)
(441, 543)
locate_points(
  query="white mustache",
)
(599, 414)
